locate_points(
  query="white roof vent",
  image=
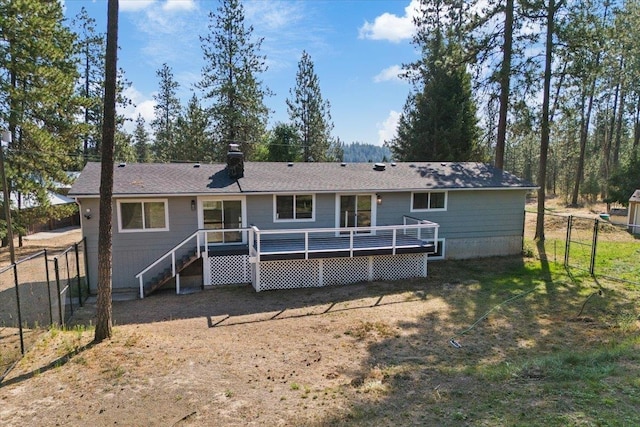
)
(379, 166)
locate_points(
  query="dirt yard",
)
(364, 354)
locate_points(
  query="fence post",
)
(78, 275)
(86, 265)
(567, 242)
(68, 286)
(57, 273)
(46, 269)
(16, 283)
(594, 244)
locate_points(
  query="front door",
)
(355, 211)
(223, 215)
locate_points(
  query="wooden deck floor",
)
(339, 246)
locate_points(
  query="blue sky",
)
(357, 47)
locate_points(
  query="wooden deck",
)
(327, 247)
(340, 246)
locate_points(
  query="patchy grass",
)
(537, 347)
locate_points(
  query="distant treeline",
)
(358, 152)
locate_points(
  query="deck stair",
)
(166, 275)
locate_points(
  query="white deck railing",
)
(302, 241)
(200, 237)
(341, 239)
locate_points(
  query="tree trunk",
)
(584, 134)
(103, 321)
(505, 79)
(544, 140)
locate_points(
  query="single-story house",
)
(289, 225)
(634, 213)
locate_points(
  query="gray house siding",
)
(476, 222)
(135, 250)
(260, 213)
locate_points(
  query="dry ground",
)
(363, 354)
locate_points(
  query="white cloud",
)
(171, 5)
(273, 15)
(389, 74)
(387, 129)
(392, 27)
(135, 5)
(142, 105)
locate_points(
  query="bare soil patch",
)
(364, 354)
(54, 241)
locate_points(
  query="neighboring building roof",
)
(272, 177)
(28, 202)
(635, 197)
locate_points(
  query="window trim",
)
(243, 206)
(294, 219)
(446, 201)
(374, 212)
(144, 229)
(442, 246)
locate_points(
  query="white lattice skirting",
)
(227, 270)
(292, 274)
(269, 275)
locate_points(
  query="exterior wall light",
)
(193, 204)
(378, 199)
(87, 213)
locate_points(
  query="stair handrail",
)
(170, 252)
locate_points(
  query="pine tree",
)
(193, 143)
(89, 48)
(438, 122)
(230, 79)
(124, 150)
(283, 144)
(167, 110)
(141, 141)
(37, 99)
(103, 303)
(310, 114)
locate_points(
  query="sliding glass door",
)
(223, 215)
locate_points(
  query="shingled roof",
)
(141, 179)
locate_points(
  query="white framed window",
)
(429, 201)
(143, 215)
(439, 254)
(294, 207)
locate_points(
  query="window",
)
(295, 207)
(148, 215)
(429, 201)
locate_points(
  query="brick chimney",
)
(235, 162)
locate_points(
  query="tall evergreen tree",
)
(284, 144)
(438, 122)
(193, 140)
(310, 114)
(103, 303)
(37, 100)
(167, 110)
(551, 9)
(90, 56)
(230, 79)
(141, 141)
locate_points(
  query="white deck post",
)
(141, 288)
(426, 257)
(393, 242)
(178, 284)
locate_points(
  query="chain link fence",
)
(602, 247)
(36, 293)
